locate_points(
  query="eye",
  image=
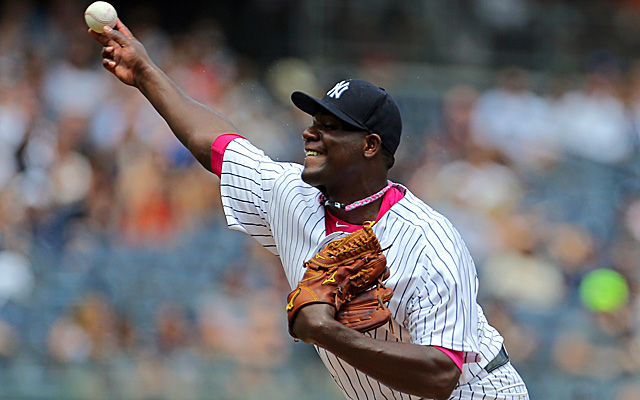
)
(329, 127)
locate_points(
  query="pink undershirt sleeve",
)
(217, 151)
(456, 356)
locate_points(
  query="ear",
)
(372, 145)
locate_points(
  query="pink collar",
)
(334, 224)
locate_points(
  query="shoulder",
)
(413, 212)
(414, 221)
(241, 151)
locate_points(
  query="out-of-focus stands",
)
(119, 278)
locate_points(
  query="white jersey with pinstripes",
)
(432, 274)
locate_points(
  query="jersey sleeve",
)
(443, 308)
(247, 180)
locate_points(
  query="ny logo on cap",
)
(338, 89)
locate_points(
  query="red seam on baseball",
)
(97, 18)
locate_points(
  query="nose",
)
(311, 133)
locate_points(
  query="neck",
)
(359, 208)
(360, 215)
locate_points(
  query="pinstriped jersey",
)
(432, 274)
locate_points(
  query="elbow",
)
(200, 148)
(442, 386)
(448, 382)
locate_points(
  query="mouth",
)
(311, 153)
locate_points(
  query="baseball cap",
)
(360, 104)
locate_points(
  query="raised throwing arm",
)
(193, 123)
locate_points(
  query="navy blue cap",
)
(361, 105)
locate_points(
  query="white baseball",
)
(99, 14)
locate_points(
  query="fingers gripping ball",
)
(99, 14)
(341, 270)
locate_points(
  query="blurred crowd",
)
(119, 278)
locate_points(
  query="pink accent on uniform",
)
(217, 151)
(335, 224)
(456, 356)
(393, 195)
(323, 200)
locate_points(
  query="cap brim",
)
(311, 106)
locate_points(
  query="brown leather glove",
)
(341, 270)
(367, 310)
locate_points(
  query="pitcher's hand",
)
(123, 55)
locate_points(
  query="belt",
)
(501, 359)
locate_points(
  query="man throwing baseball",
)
(382, 284)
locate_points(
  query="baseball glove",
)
(338, 273)
(367, 310)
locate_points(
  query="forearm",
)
(419, 370)
(194, 124)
